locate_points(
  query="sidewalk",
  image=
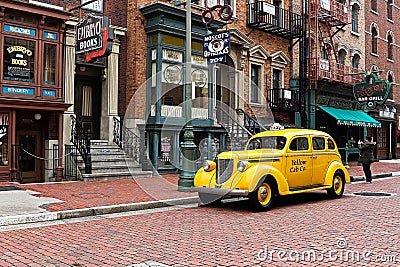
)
(24, 203)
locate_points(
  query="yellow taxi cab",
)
(277, 162)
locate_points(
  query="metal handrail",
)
(126, 139)
(81, 139)
(249, 122)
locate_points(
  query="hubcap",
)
(337, 184)
(264, 194)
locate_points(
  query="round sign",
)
(173, 74)
(199, 78)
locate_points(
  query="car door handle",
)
(313, 156)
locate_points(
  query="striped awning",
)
(351, 117)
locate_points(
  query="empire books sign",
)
(372, 91)
(93, 37)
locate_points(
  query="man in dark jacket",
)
(367, 156)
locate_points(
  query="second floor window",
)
(355, 61)
(374, 5)
(389, 9)
(255, 83)
(374, 41)
(342, 56)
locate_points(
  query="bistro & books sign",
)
(93, 37)
(372, 91)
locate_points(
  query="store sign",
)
(18, 90)
(20, 30)
(96, 6)
(216, 46)
(93, 37)
(372, 91)
(18, 64)
(50, 35)
(50, 93)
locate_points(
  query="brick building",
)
(226, 96)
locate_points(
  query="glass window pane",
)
(49, 72)
(19, 60)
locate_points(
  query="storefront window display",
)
(49, 73)
(19, 60)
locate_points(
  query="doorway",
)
(87, 104)
(31, 164)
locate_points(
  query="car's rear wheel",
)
(262, 199)
(337, 189)
(209, 199)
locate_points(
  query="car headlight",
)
(209, 165)
(242, 165)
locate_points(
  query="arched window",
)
(389, 9)
(390, 78)
(390, 46)
(354, 18)
(342, 56)
(355, 61)
(374, 5)
(374, 43)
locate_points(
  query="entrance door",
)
(87, 105)
(30, 154)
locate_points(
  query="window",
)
(255, 83)
(355, 61)
(354, 18)
(374, 5)
(342, 56)
(331, 144)
(49, 72)
(390, 47)
(374, 41)
(300, 143)
(318, 143)
(276, 85)
(389, 9)
(19, 60)
(3, 139)
(86, 101)
(268, 142)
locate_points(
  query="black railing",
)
(71, 163)
(81, 139)
(237, 133)
(126, 140)
(250, 123)
(264, 16)
(282, 99)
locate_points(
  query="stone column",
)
(109, 102)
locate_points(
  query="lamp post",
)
(187, 146)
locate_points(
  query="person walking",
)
(367, 156)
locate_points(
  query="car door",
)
(299, 168)
(321, 159)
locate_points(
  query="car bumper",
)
(220, 191)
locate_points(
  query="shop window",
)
(20, 16)
(19, 60)
(3, 139)
(374, 41)
(172, 40)
(49, 72)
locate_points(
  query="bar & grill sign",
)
(93, 37)
(371, 91)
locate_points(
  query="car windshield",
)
(267, 142)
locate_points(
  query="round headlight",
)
(241, 166)
(206, 165)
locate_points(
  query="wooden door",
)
(31, 156)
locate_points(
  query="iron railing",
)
(250, 123)
(81, 139)
(127, 140)
(71, 163)
(282, 99)
(267, 17)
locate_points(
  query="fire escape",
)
(325, 20)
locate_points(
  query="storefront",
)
(31, 97)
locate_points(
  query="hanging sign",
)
(216, 46)
(93, 37)
(372, 91)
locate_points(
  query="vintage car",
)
(278, 162)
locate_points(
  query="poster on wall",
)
(19, 60)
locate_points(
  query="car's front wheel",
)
(337, 189)
(209, 199)
(262, 199)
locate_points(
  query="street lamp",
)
(188, 147)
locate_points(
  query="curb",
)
(374, 176)
(86, 212)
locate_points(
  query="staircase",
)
(109, 162)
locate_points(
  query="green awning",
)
(351, 117)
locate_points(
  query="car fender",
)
(333, 167)
(203, 178)
(255, 176)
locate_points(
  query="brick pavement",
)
(226, 235)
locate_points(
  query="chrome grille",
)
(225, 169)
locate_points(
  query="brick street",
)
(226, 235)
